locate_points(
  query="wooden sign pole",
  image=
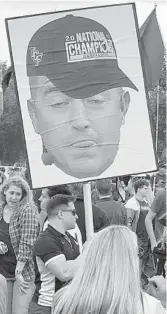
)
(88, 210)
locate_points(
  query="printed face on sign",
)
(81, 135)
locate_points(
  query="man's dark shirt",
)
(115, 212)
(100, 220)
(49, 245)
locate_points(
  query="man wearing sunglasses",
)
(56, 251)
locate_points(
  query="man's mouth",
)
(84, 144)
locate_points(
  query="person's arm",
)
(155, 209)
(62, 269)
(19, 267)
(150, 195)
(50, 252)
(130, 217)
(29, 229)
(149, 227)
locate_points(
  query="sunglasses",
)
(73, 211)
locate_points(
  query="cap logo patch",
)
(36, 56)
(89, 46)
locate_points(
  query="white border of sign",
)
(136, 151)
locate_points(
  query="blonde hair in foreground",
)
(108, 281)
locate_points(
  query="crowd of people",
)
(47, 265)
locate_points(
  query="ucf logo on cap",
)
(36, 56)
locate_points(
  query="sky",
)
(23, 7)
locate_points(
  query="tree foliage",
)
(12, 146)
(159, 95)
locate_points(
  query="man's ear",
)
(32, 113)
(60, 214)
(125, 101)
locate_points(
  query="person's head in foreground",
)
(61, 212)
(141, 187)
(77, 103)
(108, 280)
(15, 191)
(162, 168)
(49, 192)
(104, 187)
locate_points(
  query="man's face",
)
(44, 198)
(82, 135)
(143, 191)
(69, 216)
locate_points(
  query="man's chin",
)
(90, 169)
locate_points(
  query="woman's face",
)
(13, 195)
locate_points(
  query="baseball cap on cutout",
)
(77, 55)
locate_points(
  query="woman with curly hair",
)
(108, 281)
(19, 228)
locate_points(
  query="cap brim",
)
(87, 81)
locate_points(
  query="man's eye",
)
(94, 101)
(61, 104)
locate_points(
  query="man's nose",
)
(14, 196)
(79, 118)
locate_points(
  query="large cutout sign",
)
(82, 94)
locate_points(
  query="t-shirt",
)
(115, 212)
(100, 219)
(49, 245)
(8, 260)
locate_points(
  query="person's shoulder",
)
(97, 209)
(130, 201)
(27, 208)
(44, 241)
(29, 211)
(152, 305)
(47, 236)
